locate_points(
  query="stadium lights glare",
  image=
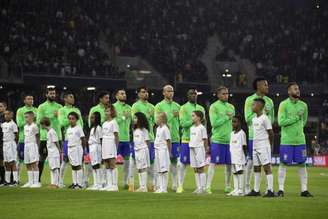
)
(226, 70)
(144, 72)
(318, 6)
(312, 94)
(91, 88)
(230, 95)
(128, 65)
(64, 88)
(199, 93)
(1, 87)
(51, 86)
(277, 94)
(229, 75)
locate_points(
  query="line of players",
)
(166, 152)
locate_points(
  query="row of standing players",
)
(292, 117)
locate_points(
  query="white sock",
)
(248, 173)
(109, 177)
(56, 177)
(79, 177)
(114, 177)
(227, 176)
(235, 181)
(159, 181)
(35, 177)
(281, 177)
(202, 181)
(173, 169)
(241, 182)
(19, 168)
(303, 178)
(74, 177)
(98, 177)
(52, 177)
(131, 171)
(126, 172)
(197, 180)
(7, 176)
(94, 175)
(210, 174)
(165, 177)
(181, 174)
(103, 175)
(30, 177)
(87, 171)
(62, 172)
(269, 182)
(15, 176)
(144, 179)
(151, 175)
(257, 181)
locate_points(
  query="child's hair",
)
(74, 114)
(239, 118)
(97, 121)
(199, 114)
(112, 110)
(163, 116)
(142, 121)
(29, 113)
(260, 100)
(45, 121)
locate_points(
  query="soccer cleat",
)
(253, 193)
(52, 186)
(26, 185)
(126, 187)
(306, 194)
(180, 189)
(131, 188)
(174, 188)
(280, 193)
(78, 187)
(6, 184)
(61, 186)
(158, 191)
(227, 190)
(36, 185)
(92, 188)
(13, 184)
(152, 188)
(233, 192)
(112, 189)
(141, 190)
(247, 189)
(71, 186)
(269, 194)
(208, 190)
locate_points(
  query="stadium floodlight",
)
(312, 94)
(226, 70)
(144, 72)
(51, 86)
(230, 95)
(229, 75)
(224, 75)
(64, 88)
(1, 87)
(277, 94)
(91, 88)
(199, 93)
(128, 65)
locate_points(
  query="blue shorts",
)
(151, 152)
(65, 148)
(21, 151)
(124, 149)
(290, 154)
(175, 150)
(250, 150)
(185, 153)
(220, 153)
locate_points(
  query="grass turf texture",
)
(65, 203)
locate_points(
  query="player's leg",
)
(268, 172)
(300, 157)
(182, 163)
(114, 175)
(142, 164)
(152, 174)
(257, 174)
(14, 172)
(228, 172)
(286, 158)
(235, 180)
(43, 156)
(63, 165)
(36, 175)
(124, 151)
(2, 167)
(240, 175)
(249, 167)
(7, 173)
(20, 161)
(173, 166)
(211, 169)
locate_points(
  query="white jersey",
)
(261, 125)
(9, 129)
(74, 135)
(109, 128)
(162, 135)
(95, 135)
(30, 132)
(140, 136)
(197, 136)
(237, 141)
(52, 138)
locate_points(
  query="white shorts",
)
(9, 151)
(31, 153)
(197, 157)
(108, 149)
(142, 158)
(261, 156)
(237, 167)
(75, 155)
(162, 160)
(54, 162)
(95, 154)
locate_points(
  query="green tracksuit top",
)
(63, 117)
(123, 118)
(98, 108)
(20, 120)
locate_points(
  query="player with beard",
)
(103, 98)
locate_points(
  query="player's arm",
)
(116, 138)
(271, 136)
(283, 118)
(244, 143)
(81, 118)
(185, 120)
(20, 119)
(271, 113)
(39, 115)
(89, 117)
(217, 119)
(249, 114)
(37, 136)
(169, 146)
(305, 115)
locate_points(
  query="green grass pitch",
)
(64, 203)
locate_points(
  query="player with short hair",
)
(3, 108)
(10, 140)
(261, 88)
(103, 98)
(28, 100)
(185, 124)
(53, 148)
(292, 118)
(238, 147)
(110, 142)
(171, 108)
(221, 113)
(76, 143)
(163, 146)
(31, 150)
(262, 143)
(145, 107)
(141, 144)
(69, 101)
(48, 109)
(198, 146)
(123, 119)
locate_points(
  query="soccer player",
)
(10, 140)
(53, 148)
(141, 145)
(48, 109)
(28, 106)
(3, 108)
(69, 100)
(262, 144)
(76, 143)
(31, 150)
(171, 109)
(163, 147)
(143, 106)
(185, 124)
(109, 146)
(292, 118)
(103, 98)
(95, 138)
(221, 114)
(238, 147)
(261, 87)
(198, 146)
(123, 118)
